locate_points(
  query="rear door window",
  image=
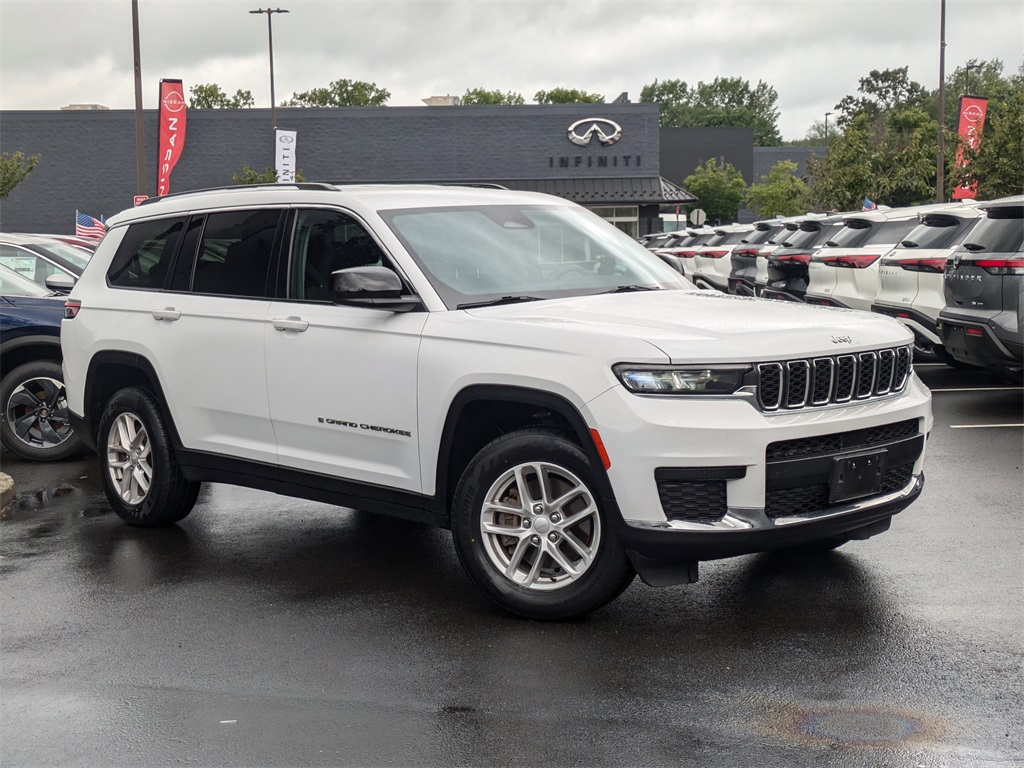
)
(852, 235)
(234, 254)
(890, 232)
(1002, 231)
(144, 256)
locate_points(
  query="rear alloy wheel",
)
(530, 531)
(138, 468)
(35, 412)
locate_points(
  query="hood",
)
(691, 327)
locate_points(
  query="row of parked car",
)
(36, 272)
(953, 273)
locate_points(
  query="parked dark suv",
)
(984, 282)
(787, 265)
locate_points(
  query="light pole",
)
(826, 129)
(967, 77)
(140, 156)
(270, 36)
(940, 159)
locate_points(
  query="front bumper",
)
(731, 443)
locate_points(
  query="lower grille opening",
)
(698, 501)
(814, 498)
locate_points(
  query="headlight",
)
(682, 380)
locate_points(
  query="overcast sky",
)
(811, 51)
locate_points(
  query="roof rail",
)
(235, 187)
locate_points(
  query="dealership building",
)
(610, 158)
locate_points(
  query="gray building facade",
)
(88, 157)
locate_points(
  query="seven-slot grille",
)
(836, 379)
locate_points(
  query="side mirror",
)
(60, 282)
(371, 287)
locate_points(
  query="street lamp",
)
(967, 77)
(826, 129)
(270, 35)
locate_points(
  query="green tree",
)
(14, 168)
(883, 91)
(725, 101)
(567, 96)
(210, 96)
(719, 188)
(267, 176)
(483, 96)
(341, 93)
(780, 193)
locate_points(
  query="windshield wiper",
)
(497, 302)
(908, 244)
(974, 247)
(632, 289)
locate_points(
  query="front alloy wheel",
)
(129, 458)
(540, 526)
(531, 530)
(34, 420)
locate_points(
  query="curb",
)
(7, 492)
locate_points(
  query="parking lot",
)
(264, 630)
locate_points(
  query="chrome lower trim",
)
(754, 518)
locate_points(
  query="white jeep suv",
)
(503, 364)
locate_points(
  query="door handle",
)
(167, 313)
(290, 324)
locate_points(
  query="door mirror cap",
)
(374, 287)
(60, 282)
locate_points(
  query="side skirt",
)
(199, 466)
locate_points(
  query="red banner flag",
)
(172, 132)
(969, 126)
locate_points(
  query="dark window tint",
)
(145, 254)
(733, 238)
(234, 253)
(781, 234)
(326, 241)
(756, 237)
(715, 239)
(801, 238)
(852, 235)
(890, 232)
(181, 278)
(936, 232)
(1002, 231)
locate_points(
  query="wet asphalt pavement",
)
(269, 631)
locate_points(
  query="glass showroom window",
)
(625, 217)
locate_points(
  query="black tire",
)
(555, 593)
(168, 496)
(34, 421)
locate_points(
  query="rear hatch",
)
(743, 260)
(859, 244)
(787, 265)
(910, 284)
(771, 245)
(713, 260)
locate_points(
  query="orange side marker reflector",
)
(599, 444)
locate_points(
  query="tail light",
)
(852, 261)
(746, 251)
(1001, 266)
(72, 308)
(799, 258)
(714, 254)
(683, 254)
(975, 332)
(920, 265)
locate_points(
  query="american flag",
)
(87, 226)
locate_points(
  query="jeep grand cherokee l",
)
(503, 364)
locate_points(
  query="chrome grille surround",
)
(820, 381)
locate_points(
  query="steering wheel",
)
(563, 272)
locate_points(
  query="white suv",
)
(504, 364)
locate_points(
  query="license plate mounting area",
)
(856, 476)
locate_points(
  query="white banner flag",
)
(285, 163)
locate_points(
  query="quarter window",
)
(145, 254)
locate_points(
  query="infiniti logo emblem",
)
(582, 131)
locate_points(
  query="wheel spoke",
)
(491, 507)
(517, 558)
(23, 425)
(125, 484)
(585, 552)
(50, 437)
(556, 554)
(565, 498)
(579, 517)
(125, 440)
(24, 398)
(503, 530)
(531, 577)
(140, 482)
(51, 391)
(525, 497)
(119, 464)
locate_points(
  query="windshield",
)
(79, 257)
(477, 253)
(13, 284)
